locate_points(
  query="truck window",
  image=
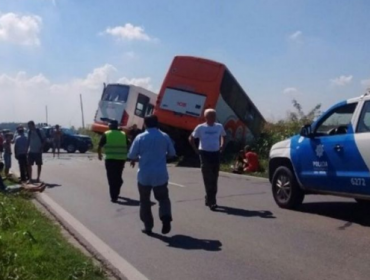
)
(338, 118)
(364, 121)
(141, 105)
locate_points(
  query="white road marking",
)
(177, 185)
(123, 266)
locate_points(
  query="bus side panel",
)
(132, 102)
(235, 129)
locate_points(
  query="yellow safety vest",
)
(116, 145)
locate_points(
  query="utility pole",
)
(47, 117)
(82, 112)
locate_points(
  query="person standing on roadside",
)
(20, 151)
(1, 145)
(57, 140)
(134, 131)
(211, 137)
(8, 153)
(115, 144)
(152, 148)
(36, 143)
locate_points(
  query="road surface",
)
(248, 238)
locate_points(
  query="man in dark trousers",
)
(20, 151)
(152, 148)
(114, 142)
(36, 142)
(211, 137)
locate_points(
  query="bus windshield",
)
(116, 93)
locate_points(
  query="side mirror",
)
(306, 131)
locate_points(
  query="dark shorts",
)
(56, 144)
(35, 158)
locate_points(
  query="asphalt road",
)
(248, 238)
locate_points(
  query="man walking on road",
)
(211, 137)
(115, 145)
(152, 148)
(35, 148)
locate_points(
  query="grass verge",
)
(32, 247)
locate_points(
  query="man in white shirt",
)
(211, 137)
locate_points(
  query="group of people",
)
(28, 151)
(152, 148)
(246, 161)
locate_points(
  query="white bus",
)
(128, 104)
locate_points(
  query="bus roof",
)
(128, 85)
(200, 58)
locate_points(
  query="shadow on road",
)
(129, 202)
(50, 186)
(245, 213)
(350, 212)
(224, 196)
(189, 243)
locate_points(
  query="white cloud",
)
(26, 96)
(128, 32)
(20, 29)
(342, 80)
(296, 36)
(292, 92)
(366, 83)
(140, 82)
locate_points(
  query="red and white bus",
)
(128, 104)
(194, 84)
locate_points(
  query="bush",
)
(283, 129)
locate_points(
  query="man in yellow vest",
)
(115, 143)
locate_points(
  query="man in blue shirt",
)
(152, 148)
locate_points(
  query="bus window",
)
(149, 110)
(116, 93)
(141, 105)
(183, 102)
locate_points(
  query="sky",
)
(51, 51)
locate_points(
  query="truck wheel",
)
(71, 148)
(285, 189)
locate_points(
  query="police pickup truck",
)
(329, 156)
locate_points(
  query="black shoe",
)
(213, 207)
(114, 200)
(166, 228)
(147, 231)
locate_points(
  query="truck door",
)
(359, 181)
(329, 158)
